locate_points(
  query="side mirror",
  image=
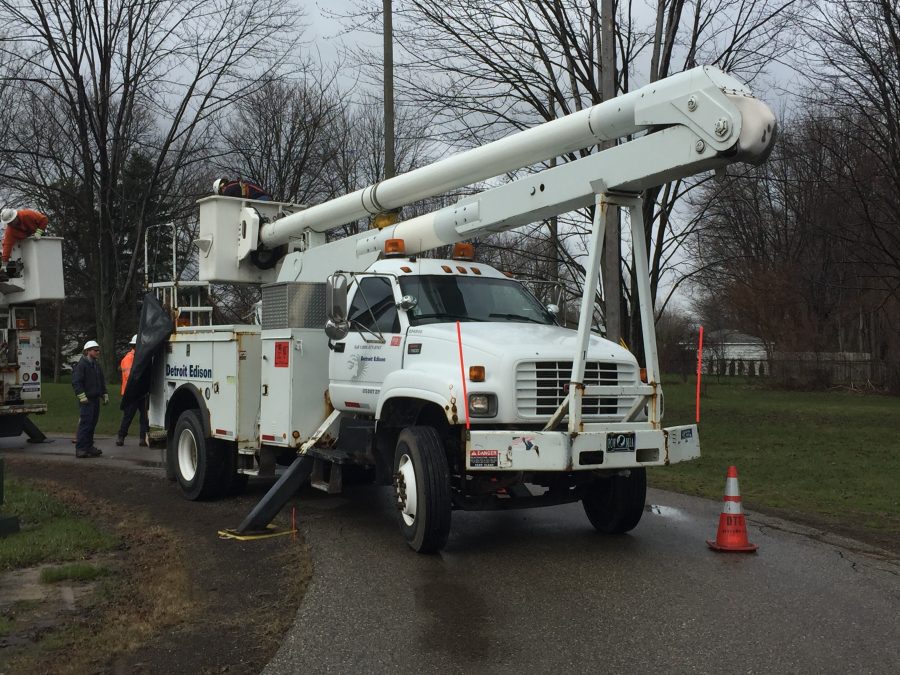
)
(337, 330)
(336, 298)
(407, 302)
(553, 309)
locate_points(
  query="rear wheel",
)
(197, 460)
(422, 489)
(615, 504)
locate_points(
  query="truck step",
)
(326, 476)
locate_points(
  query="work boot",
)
(120, 441)
(94, 451)
(82, 454)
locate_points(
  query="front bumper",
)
(599, 447)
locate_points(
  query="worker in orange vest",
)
(139, 406)
(19, 224)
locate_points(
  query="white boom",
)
(712, 107)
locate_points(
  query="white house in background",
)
(729, 352)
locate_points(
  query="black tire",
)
(420, 458)
(615, 504)
(198, 461)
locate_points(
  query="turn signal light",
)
(394, 247)
(476, 373)
(644, 375)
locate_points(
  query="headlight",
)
(482, 405)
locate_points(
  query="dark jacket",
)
(88, 378)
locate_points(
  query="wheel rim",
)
(187, 455)
(407, 496)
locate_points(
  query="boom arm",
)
(717, 109)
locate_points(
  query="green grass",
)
(832, 454)
(62, 411)
(50, 531)
(72, 572)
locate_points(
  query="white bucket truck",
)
(35, 277)
(445, 378)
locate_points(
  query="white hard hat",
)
(90, 344)
(8, 215)
(217, 184)
(133, 339)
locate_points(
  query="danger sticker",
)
(395, 341)
(282, 354)
(484, 458)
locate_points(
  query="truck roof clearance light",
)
(476, 271)
(476, 373)
(406, 269)
(462, 270)
(463, 251)
(446, 268)
(509, 274)
(394, 248)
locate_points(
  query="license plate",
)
(620, 442)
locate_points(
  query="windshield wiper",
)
(518, 317)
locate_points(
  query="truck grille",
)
(542, 386)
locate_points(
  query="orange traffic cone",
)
(732, 534)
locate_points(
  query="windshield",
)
(459, 298)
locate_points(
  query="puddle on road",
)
(666, 512)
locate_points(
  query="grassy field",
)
(50, 531)
(62, 414)
(831, 454)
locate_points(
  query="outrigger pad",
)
(277, 496)
(154, 330)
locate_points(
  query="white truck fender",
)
(434, 388)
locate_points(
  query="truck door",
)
(372, 349)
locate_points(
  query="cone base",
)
(740, 548)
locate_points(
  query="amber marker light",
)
(644, 375)
(476, 373)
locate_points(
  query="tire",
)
(198, 461)
(422, 489)
(614, 505)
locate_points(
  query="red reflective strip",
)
(351, 404)
(730, 498)
(223, 432)
(268, 437)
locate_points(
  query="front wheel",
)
(422, 489)
(197, 461)
(615, 504)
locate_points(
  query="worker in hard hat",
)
(90, 389)
(130, 409)
(19, 224)
(245, 189)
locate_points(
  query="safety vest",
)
(125, 366)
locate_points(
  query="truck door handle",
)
(265, 390)
(336, 346)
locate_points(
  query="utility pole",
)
(612, 245)
(390, 169)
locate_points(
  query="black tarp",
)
(153, 332)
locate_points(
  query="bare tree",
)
(485, 69)
(129, 86)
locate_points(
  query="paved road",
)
(538, 591)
